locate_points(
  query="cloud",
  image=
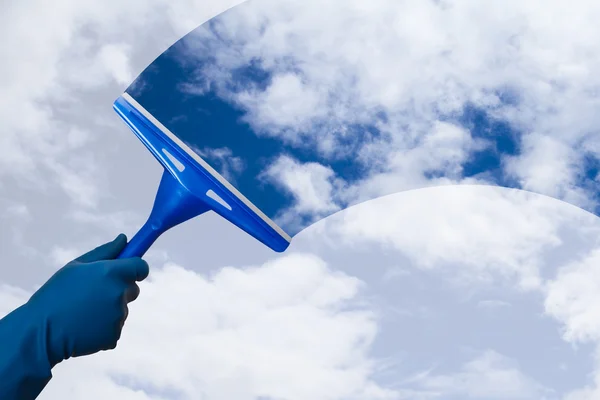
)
(502, 236)
(227, 164)
(315, 189)
(11, 297)
(318, 190)
(409, 60)
(281, 330)
(63, 151)
(61, 256)
(489, 376)
(61, 84)
(547, 165)
(79, 185)
(332, 68)
(301, 327)
(311, 184)
(573, 298)
(483, 239)
(119, 221)
(115, 59)
(287, 102)
(436, 158)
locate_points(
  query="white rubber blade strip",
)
(205, 165)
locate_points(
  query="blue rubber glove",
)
(80, 310)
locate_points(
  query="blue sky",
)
(196, 89)
(451, 291)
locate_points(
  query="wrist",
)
(24, 339)
(46, 344)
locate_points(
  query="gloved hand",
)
(80, 310)
(84, 305)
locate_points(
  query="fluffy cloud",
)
(63, 151)
(296, 327)
(547, 165)
(436, 158)
(313, 186)
(333, 67)
(485, 237)
(62, 75)
(286, 102)
(529, 63)
(227, 164)
(573, 297)
(489, 376)
(431, 227)
(281, 330)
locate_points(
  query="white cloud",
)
(503, 234)
(241, 333)
(80, 56)
(439, 149)
(78, 184)
(313, 186)
(119, 221)
(115, 59)
(412, 60)
(325, 74)
(287, 102)
(480, 234)
(549, 166)
(573, 298)
(407, 58)
(489, 376)
(60, 256)
(228, 164)
(282, 330)
(11, 297)
(589, 392)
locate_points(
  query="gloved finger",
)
(131, 293)
(129, 269)
(107, 251)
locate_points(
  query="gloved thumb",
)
(107, 251)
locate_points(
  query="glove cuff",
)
(46, 342)
(24, 361)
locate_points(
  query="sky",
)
(267, 92)
(455, 290)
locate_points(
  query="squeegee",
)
(213, 159)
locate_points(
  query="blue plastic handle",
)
(173, 205)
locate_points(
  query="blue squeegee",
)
(213, 158)
(189, 187)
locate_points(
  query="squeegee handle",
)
(173, 205)
(140, 242)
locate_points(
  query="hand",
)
(83, 306)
